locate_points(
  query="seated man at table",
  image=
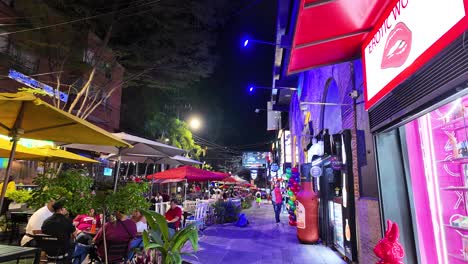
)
(174, 215)
(60, 226)
(35, 223)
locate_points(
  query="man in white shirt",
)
(35, 222)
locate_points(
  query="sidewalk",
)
(263, 241)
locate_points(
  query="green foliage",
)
(20, 196)
(159, 238)
(71, 185)
(247, 202)
(127, 199)
(226, 212)
(177, 131)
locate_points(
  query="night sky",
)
(222, 101)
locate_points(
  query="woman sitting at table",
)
(85, 221)
(83, 224)
(118, 231)
(141, 226)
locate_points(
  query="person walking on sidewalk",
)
(258, 198)
(278, 201)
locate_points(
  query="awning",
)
(332, 31)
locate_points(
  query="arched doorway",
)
(331, 115)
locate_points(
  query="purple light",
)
(251, 88)
(246, 42)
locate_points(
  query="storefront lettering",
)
(386, 26)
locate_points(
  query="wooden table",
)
(8, 253)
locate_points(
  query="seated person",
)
(61, 227)
(85, 221)
(35, 223)
(174, 215)
(140, 222)
(141, 226)
(119, 229)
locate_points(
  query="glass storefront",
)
(433, 181)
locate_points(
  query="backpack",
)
(242, 222)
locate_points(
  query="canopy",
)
(59, 155)
(21, 152)
(172, 161)
(141, 146)
(230, 180)
(188, 173)
(25, 115)
(37, 119)
(329, 32)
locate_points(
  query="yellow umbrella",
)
(59, 155)
(21, 152)
(25, 115)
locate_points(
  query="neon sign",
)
(26, 80)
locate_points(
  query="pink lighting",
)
(438, 161)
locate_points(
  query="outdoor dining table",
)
(8, 253)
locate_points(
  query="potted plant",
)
(161, 246)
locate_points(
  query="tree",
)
(66, 50)
(177, 133)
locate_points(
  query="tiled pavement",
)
(263, 241)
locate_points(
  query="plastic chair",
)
(199, 217)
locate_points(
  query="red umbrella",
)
(188, 173)
(230, 180)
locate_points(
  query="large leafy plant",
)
(158, 239)
(20, 196)
(71, 185)
(126, 199)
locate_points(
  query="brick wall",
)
(345, 77)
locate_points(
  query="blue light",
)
(246, 42)
(251, 88)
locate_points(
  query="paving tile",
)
(262, 242)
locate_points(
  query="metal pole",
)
(14, 138)
(117, 173)
(185, 190)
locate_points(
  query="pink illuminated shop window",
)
(438, 160)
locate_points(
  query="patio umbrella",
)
(25, 115)
(142, 147)
(187, 173)
(60, 156)
(21, 152)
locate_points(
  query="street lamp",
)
(246, 42)
(195, 123)
(252, 88)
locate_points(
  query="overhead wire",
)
(78, 20)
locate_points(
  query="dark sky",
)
(222, 101)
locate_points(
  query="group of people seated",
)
(84, 235)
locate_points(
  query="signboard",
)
(254, 174)
(405, 38)
(274, 167)
(28, 81)
(254, 159)
(316, 171)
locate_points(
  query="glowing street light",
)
(246, 42)
(252, 88)
(195, 123)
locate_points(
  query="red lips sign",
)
(397, 48)
(407, 36)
